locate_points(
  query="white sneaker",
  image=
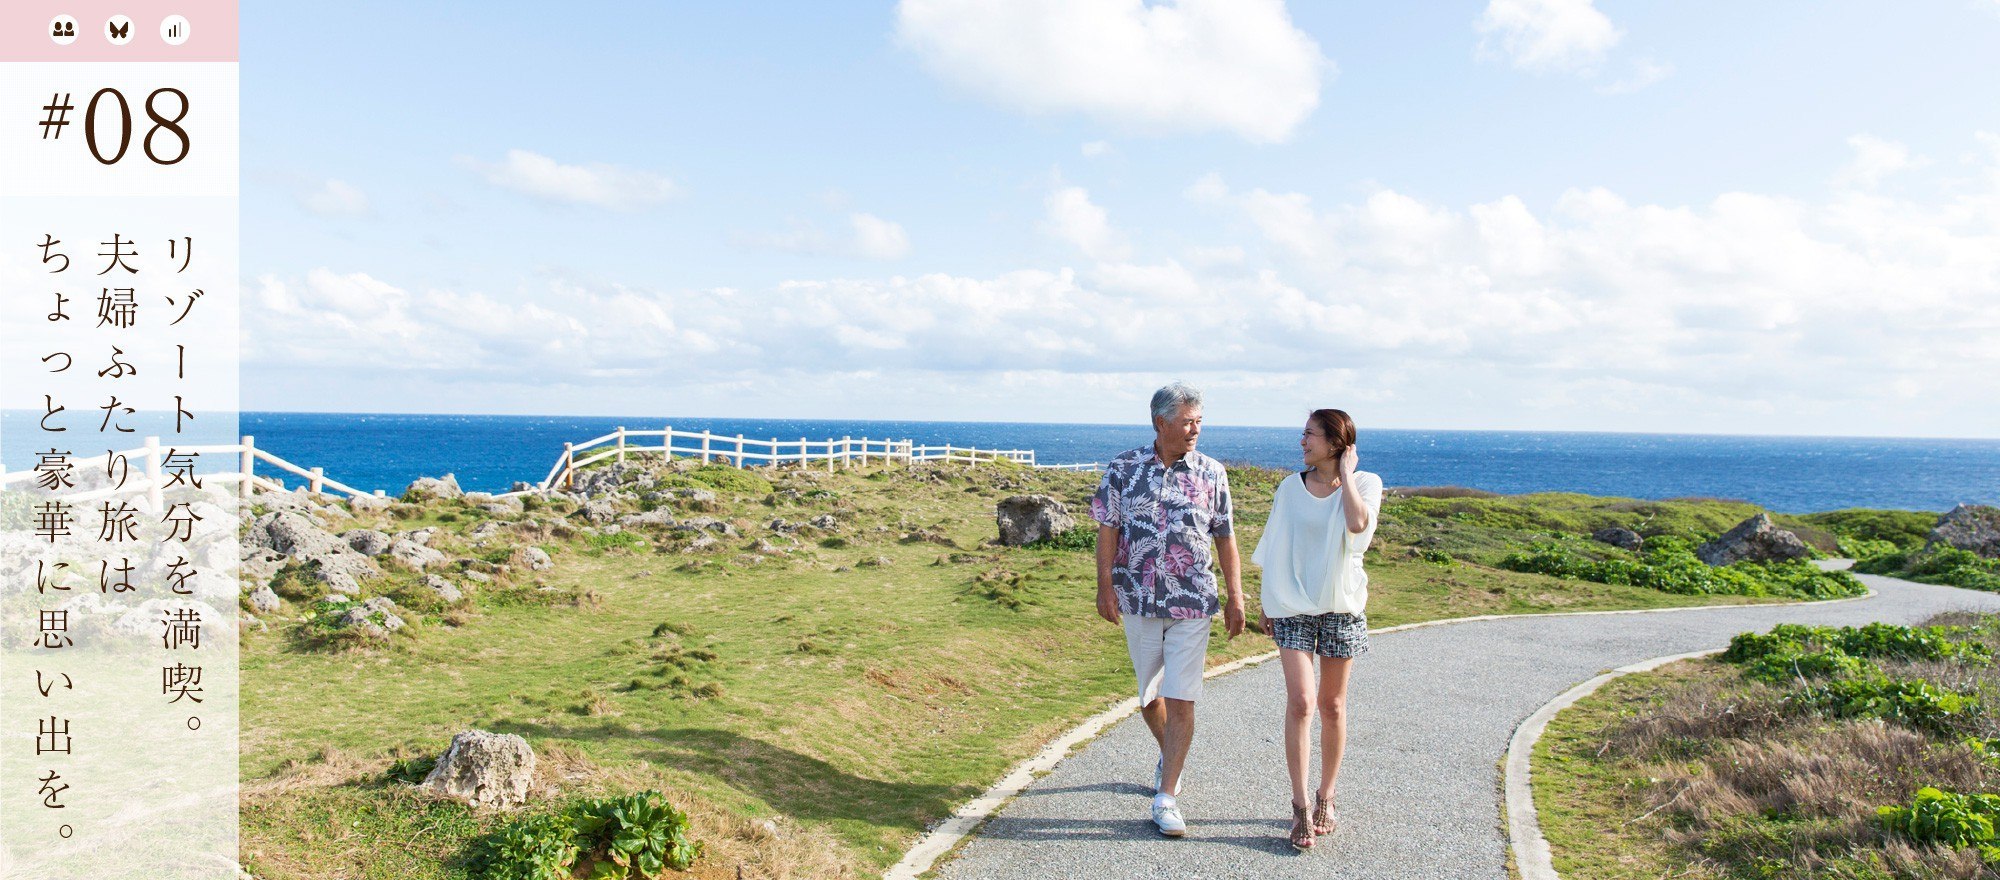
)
(1167, 815)
(1160, 778)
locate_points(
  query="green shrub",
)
(1669, 565)
(1875, 640)
(627, 838)
(723, 478)
(1913, 702)
(641, 835)
(1779, 667)
(598, 544)
(539, 847)
(1079, 538)
(410, 771)
(1904, 529)
(1937, 565)
(1949, 818)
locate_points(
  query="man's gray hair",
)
(1170, 399)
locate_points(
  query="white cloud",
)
(335, 198)
(1074, 218)
(869, 236)
(1875, 159)
(1229, 65)
(879, 239)
(1095, 149)
(1547, 35)
(1210, 256)
(598, 185)
(1209, 188)
(1854, 313)
(1645, 72)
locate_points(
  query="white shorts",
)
(1168, 656)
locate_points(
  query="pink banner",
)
(118, 30)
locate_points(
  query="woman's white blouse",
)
(1311, 563)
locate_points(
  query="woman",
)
(1315, 593)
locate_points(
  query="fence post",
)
(153, 472)
(739, 451)
(249, 467)
(621, 444)
(667, 444)
(705, 436)
(864, 452)
(802, 453)
(318, 481)
(569, 465)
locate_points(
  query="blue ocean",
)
(1789, 474)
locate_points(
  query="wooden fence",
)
(742, 451)
(147, 462)
(148, 471)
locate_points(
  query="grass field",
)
(815, 700)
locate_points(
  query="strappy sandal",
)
(1302, 828)
(1323, 819)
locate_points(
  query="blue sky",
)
(1745, 218)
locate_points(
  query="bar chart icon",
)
(174, 30)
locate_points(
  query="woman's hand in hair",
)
(1349, 460)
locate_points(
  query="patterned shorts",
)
(1328, 635)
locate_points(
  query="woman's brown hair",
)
(1337, 426)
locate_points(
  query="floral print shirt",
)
(1166, 518)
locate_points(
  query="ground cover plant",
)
(1936, 565)
(1669, 564)
(1802, 752)
(814, 666)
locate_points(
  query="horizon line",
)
(666, 420)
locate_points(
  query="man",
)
(1157, 509)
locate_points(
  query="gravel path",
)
(1431, 711)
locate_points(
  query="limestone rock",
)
(648, 518)
(485, 769)
(508, 506)
(1027, 518)
(707, 524)
(444, 589)
(368, 542)
(415, 555)
(369, 503)
(535, 558)
(263, 601)
(825, 522)
(260, 563)
(434, 487)
(375, 618)
(1969, 527)
(1755, 539)
(599, 510)
(328, 559)
(1622, 538)
(418, 536)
